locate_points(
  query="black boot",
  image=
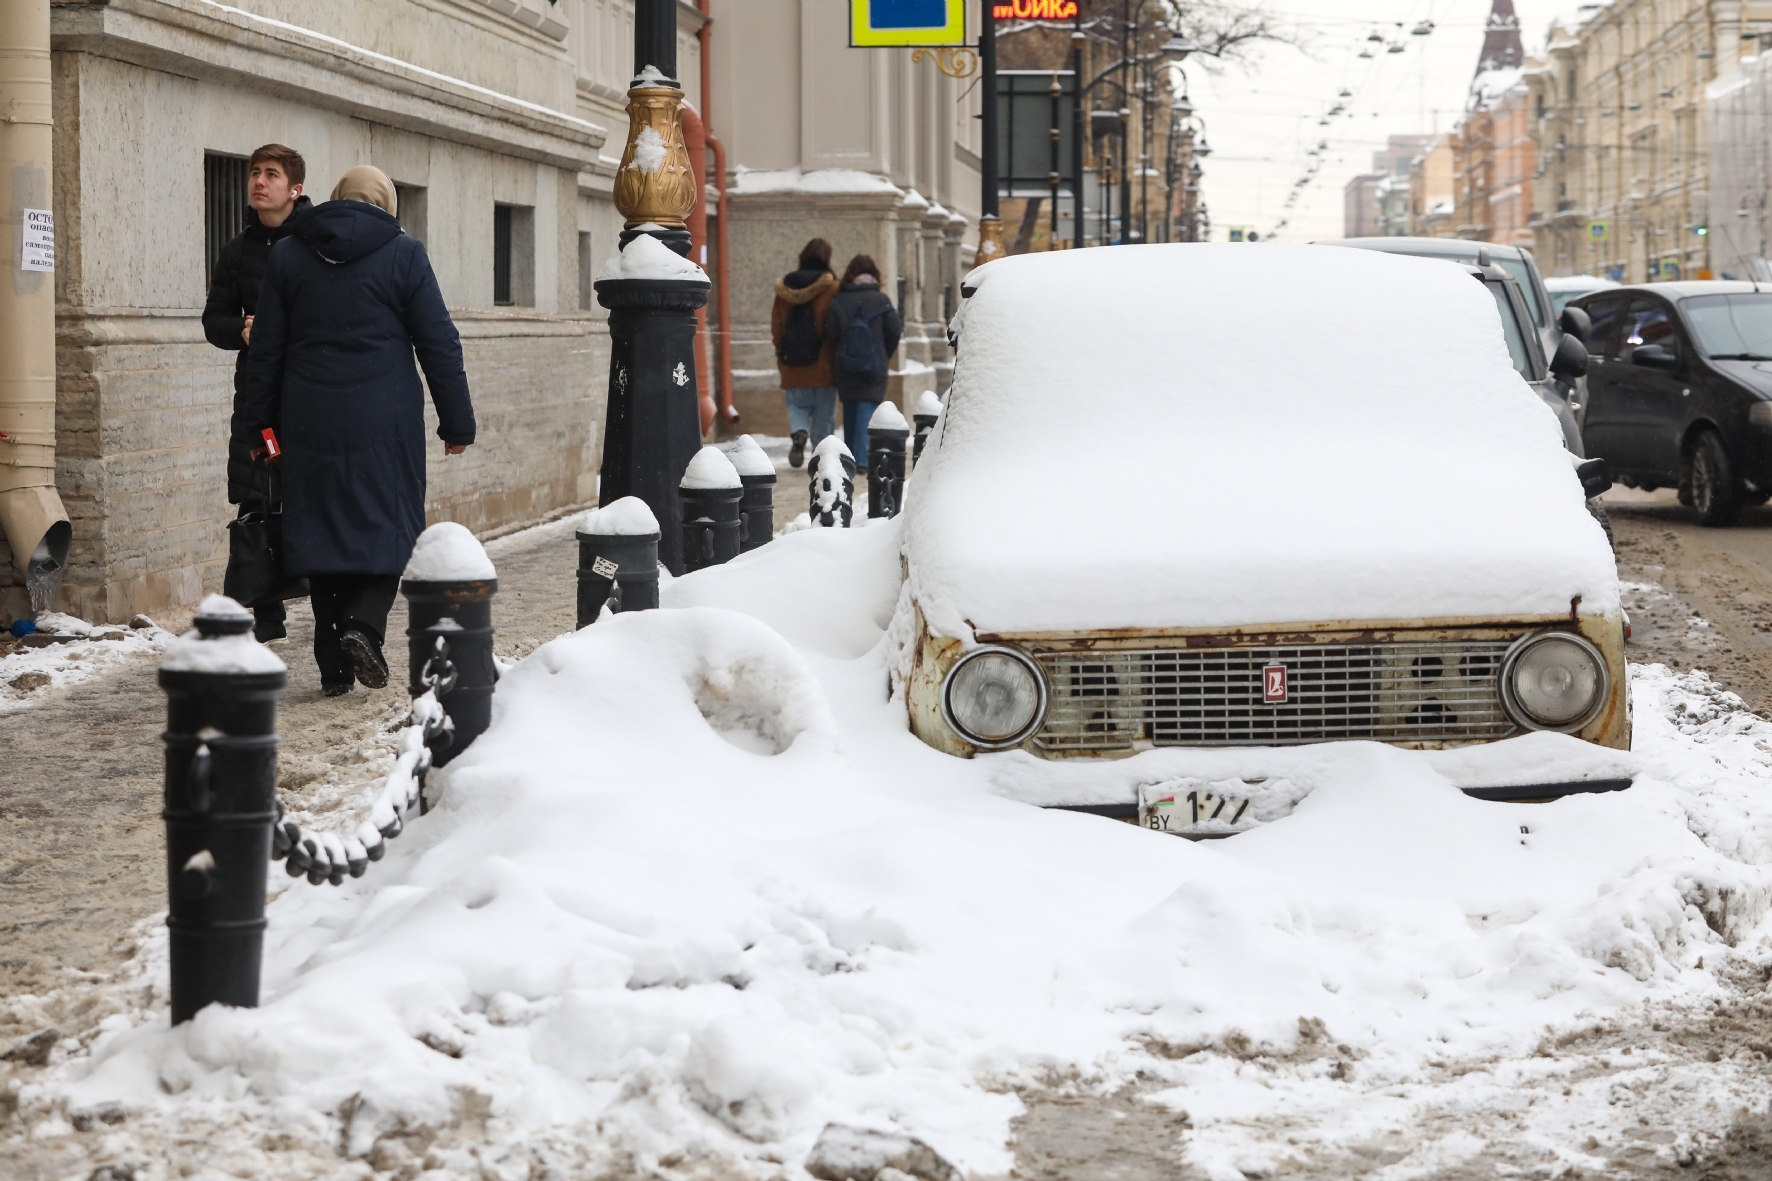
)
(364, 652)
(797, 454)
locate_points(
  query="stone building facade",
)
(469, 106)
(863, 147)
(1621, 121)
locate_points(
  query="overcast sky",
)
(1262, 114)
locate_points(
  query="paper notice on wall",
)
(38, 248)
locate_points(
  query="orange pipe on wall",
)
(705, 35)
(695, 142)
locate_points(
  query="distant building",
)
(1622, 121)
(1359, 208)
(1431, 204)
(1492, 148)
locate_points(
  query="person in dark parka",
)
(347, 300)
(273, 196)
(862, 366)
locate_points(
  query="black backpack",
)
(859, 353)
(800, 342)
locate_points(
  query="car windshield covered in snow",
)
(1163, 520)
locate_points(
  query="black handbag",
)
(255, 555)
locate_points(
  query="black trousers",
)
(348, 600)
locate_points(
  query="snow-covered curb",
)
(27, 674)
(697, 894)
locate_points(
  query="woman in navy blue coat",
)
(347, 301)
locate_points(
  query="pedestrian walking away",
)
(273, 196)
(802, 351)
(864, 329)
(348, 300)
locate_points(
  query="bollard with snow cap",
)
(713, 522)
(221, 800)
(758, 474)
(887, 434)
(449, 583)
(617, 548)
(832, 475)
(928, 410)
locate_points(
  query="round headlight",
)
(994, 697)
(1553, 681)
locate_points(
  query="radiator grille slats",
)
(1445, 691)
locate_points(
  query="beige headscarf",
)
(368, 183)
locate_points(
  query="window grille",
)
(224, 205)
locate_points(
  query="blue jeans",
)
(855, 430)
(813, 410)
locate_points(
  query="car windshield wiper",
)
(1739, 357)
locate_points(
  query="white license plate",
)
(1199, 809)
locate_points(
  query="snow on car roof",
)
(1222, 435)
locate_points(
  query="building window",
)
(224, 205)
(411, 201)
(513, 256)
(586, 293)
(501, 255)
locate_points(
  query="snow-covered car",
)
(1209, 496)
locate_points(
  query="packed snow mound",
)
(648, 258)
(748, 456)
(710, 469)
(698, 894)
(448, 552)
(628, 517)
(929, 404)
(1292, 434)
(888, 417)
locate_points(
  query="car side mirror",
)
(1654, 356)
(1570, 359)
(1576, 323)
(1594, 477)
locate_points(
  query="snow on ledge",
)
(820, 180)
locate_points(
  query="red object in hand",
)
(272, 451)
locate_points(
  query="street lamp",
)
(653, 427)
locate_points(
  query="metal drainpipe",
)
(31, 512)
(723, 338)
(696, 144)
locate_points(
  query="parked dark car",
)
(1679, 391)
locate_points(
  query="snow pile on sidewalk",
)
(697, 894)
(27, 672)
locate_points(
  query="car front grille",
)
(1432, 692)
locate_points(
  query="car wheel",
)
(1599, 511)
(1716, 494)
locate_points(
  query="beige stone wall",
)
(142, 89)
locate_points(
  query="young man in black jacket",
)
(274, 194)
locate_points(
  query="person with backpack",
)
(864, 328)
(802, 352)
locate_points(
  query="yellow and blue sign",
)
(884, 23)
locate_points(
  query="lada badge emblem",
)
(1273, 684)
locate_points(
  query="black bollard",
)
(449, 584)
(654, 418)
(758, 506)
(221, 801)
(617, 559)
(713, 524)
(928, 410)
(831, 474)
(887, 433)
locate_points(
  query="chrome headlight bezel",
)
(1020, 736)
(1510, 701)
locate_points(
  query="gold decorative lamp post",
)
(652, 291)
